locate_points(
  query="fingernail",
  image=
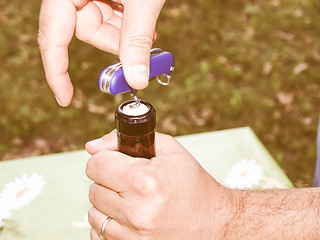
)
(58, 100)
(140, 75)
(95, 142)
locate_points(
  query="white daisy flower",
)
(5, 213)
(21, 191)
(244, 174)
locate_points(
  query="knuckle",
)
(143, 221)
(89, 167)
(145, 216)
(90, 216)
(94, 164)
(79, 3)
(141, 41)
(92, 191)
(145, 183)
(42, 41)
(83, 34)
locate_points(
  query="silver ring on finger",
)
(103, 227)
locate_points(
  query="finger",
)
(56, 27)
(107, 201)
(113, 230)
(138, 28)
(93, 30)
(164, 143)
(114, 170)
(108, 168)
(107, 142)
(109, 14)
(94, 235)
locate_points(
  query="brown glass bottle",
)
(135, 127)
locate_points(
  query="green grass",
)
(236, 64)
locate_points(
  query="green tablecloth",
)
(46, 197)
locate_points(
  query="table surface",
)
(46, 197)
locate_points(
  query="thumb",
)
(107, 142)
(137, 33)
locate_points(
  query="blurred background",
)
(237, 63)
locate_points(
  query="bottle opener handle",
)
(112, 80)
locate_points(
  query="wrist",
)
(225, 210)
(233, 211)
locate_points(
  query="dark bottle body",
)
(136, 131)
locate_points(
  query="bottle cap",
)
(135, 120)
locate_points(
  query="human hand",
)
(120, 27)
(168, 197)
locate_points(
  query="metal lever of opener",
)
(112, 80)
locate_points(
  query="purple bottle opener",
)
(112, 81)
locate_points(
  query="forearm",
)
(276, 214)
